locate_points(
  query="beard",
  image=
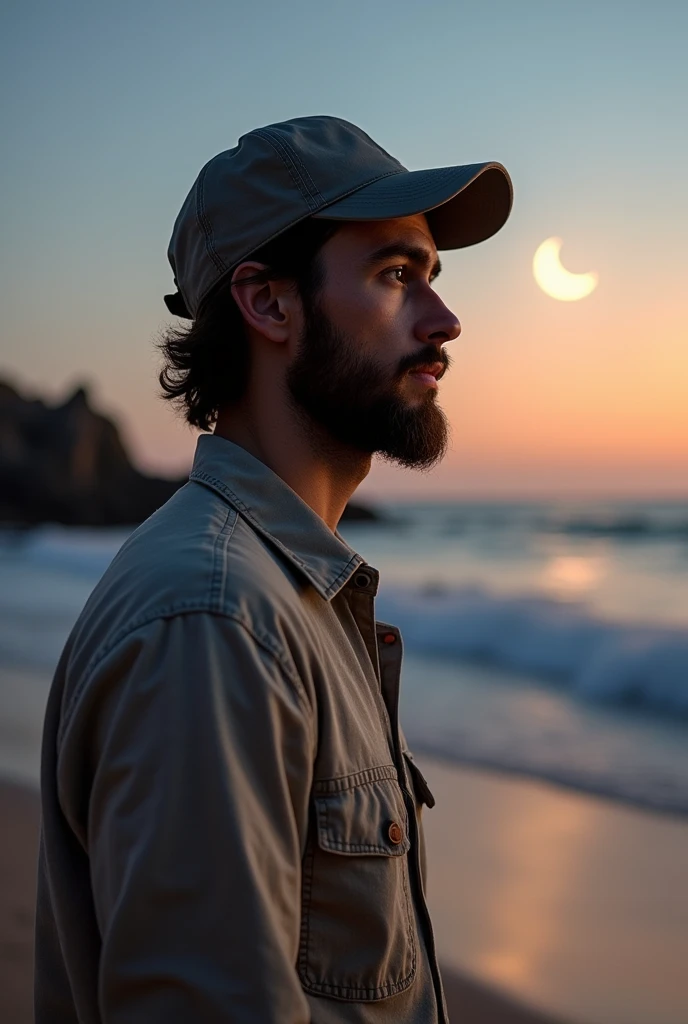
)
(356, 402)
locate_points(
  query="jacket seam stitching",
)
(350, 992)
(307, 884)
(173, 611)
(344, 575)
(409, 920)
(218, 574)
(346, 991)
(327, 843)
(326, 831)
(367, 777)
(355, 560)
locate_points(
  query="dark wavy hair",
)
(206, 363)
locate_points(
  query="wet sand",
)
(469, 1002)
(570, 903)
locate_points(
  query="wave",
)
(450, 707)
(630, 527)
(621, 663)
(618, 523)
(81, 551)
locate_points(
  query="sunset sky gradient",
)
(114, 108)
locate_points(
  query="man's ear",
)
(268, 307)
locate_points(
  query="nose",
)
(438, 325)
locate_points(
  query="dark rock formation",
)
(67, 464)
(355, 513)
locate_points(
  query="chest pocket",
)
(358, 936)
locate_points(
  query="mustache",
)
(425, 357)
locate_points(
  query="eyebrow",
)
(417, 254)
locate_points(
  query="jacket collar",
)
(274, 510)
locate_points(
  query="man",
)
(231, 818)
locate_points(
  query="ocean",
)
(544, 639)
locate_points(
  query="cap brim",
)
(464, 205)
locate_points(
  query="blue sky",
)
(113, 109)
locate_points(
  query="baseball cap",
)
(321, 167)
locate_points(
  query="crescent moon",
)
(556, 280)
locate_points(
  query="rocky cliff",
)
(67, 464)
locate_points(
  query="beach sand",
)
(469, 1001)
(573, 904)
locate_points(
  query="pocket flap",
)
(366, 817)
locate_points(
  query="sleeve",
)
(203, 748)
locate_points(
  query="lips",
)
(435, 370)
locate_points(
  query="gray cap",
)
(318, 167)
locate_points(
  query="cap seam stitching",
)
(291, 168)
(304, 172)
(299, 166)
(280, 231)
(205, 224)
(365, 184)
(296, 220)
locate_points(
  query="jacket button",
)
(389, 638)
(362, 580)
(395, 833)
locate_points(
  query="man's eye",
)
(397, 272)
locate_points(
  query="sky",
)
(112, 109)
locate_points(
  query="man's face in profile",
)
(371, 351)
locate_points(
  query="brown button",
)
(389, 638)
(395, 834)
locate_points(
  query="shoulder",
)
(195, 554)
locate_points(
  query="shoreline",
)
(518, 774)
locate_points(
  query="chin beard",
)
(354, 401)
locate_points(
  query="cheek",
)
(372, 316)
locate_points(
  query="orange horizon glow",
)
(544, 398)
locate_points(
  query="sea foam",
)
(624, 663)
(618, 662)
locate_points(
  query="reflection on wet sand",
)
(572, 904)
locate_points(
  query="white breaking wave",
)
(48, 573)
(623, 663)
(504, 719)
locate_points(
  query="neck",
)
(322, 472)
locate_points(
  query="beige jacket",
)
(231, 821)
